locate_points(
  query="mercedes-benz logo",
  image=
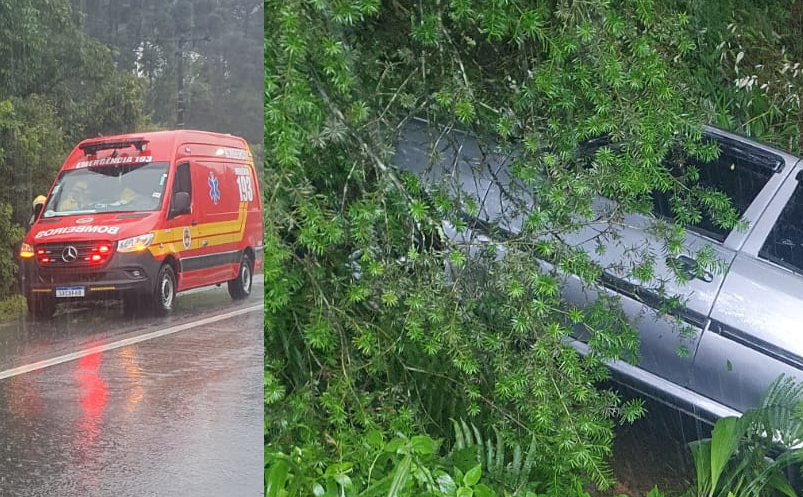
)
(69, 253)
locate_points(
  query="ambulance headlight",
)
(26, 251)
(135, 243)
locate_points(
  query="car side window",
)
(738, 172)
(784, 244)
(182, 182)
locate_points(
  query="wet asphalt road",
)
(176, 415)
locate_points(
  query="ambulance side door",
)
(218, 214)
(180, 236)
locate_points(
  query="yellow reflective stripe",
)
(229, 227)
(214, 233)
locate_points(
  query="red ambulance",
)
(142, 217)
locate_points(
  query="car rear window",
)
(784, 244)
(739, 172)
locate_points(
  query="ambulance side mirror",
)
(180, 204)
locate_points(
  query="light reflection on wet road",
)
(178, 415)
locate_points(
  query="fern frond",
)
(500, 455)
(779, 413)
(479, 442)
(490, 456)
(468, 436)
(514, 470)
(529, 461)
(459, 441)
(783, 391)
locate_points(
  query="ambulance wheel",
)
(240, 287)
(164, 295)
(41, 307)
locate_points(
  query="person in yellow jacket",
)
(38, 205)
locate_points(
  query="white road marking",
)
(8, 373)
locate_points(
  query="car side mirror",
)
(180, 204)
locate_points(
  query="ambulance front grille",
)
(69, 255)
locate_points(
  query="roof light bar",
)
(94, 147)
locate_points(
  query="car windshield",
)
(120, 188)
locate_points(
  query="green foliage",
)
(374, 321)
(401, 467)
(32, 147)
(743, 70)
(367, 335)
(750, 455)
(10, 236)
(13, 308)
(509, 465)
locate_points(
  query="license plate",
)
(70, 291)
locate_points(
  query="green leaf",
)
(374, 438)
(446, 484)
(336, 468)
(482, 490)
(472, 477)
(724, 440)
(275, 479)
(343, 480)
(457, 258)
(394, 445)
(389, 298)
(655, 492)
(465, 492)
(400, 477)
(422, 445)
(418, 210)
(464, 110)
(701, 454)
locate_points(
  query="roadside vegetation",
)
(387, 375)
(73, 69)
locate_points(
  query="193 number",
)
(246, 188)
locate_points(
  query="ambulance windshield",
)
(115, 188)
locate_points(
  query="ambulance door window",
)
(181, 183)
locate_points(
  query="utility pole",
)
(180, 95)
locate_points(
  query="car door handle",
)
(688, 266)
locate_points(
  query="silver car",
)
(743, 325)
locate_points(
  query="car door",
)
(181, 230)
(749, 174)
(756, 328)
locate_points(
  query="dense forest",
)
(86, 68)
(387, 374)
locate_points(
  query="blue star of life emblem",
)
(214, 193)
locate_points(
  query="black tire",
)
(240, 287)
(164, 294)
(41, 307)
